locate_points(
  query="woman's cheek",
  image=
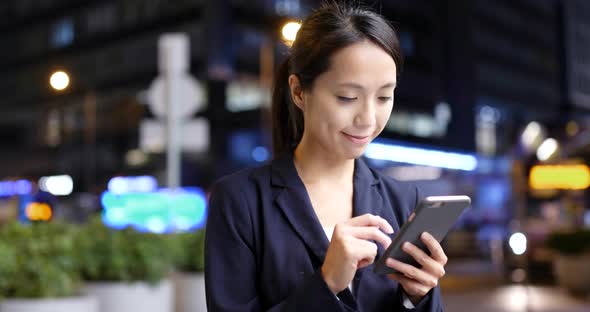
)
(382, 121)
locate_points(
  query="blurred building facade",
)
(475, 74)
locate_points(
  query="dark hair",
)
(328, 29)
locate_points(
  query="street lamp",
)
(290, 31)
(59, 80)
(547, 149)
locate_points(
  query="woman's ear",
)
(296, 91)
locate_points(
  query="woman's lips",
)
(357, 139)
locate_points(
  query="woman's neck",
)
(315, 165)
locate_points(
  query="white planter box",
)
(189, 292)
(126, 297)
(71, 304)
(573, 273)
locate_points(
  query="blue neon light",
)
(11, 188)
(160, 211)
(421, 156)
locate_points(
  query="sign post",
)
(174, 96)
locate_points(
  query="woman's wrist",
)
(328, 281)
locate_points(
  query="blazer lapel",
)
(366, 196)
(367, 199)
(293, 200)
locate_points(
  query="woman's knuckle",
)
(346, 249)
(376, 232)
(412, 273)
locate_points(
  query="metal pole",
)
(173, 134)
(174, 63)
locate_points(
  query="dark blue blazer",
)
(264, 244)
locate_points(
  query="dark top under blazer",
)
(265, 245)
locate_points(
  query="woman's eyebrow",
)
(351, 85)
(389, 85)
(358, 86)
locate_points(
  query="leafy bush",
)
(188, 250)
(38, 261)
(122, 255)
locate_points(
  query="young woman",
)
(301, 233)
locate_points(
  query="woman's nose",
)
(365, 117)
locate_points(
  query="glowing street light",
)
(59, 80)
(290, 31)
(518, 243)
(38, 211)
(61, 185)
(547, 149)
(531, 134)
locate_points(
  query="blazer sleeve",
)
(230, 262)
(432, 302)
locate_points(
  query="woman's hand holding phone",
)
(417, 282)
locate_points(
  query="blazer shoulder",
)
(242, 181)
(233, 202)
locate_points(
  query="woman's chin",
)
(355, 152)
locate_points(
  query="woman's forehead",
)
(361, 65)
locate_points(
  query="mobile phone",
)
(435, 215)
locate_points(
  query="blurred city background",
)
(493, 102)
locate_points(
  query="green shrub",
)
(38, 261)
(188, 250)
(122, 255)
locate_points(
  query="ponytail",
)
(287, 119)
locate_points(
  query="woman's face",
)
(349, 105)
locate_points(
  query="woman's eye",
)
(385, 98)
(346, 99)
